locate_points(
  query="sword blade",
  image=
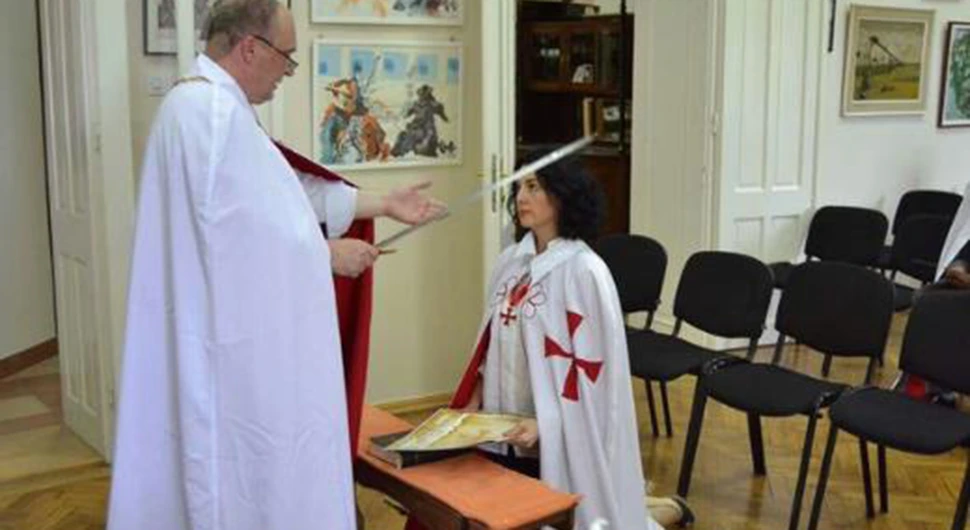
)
(474, 197)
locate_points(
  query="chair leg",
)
(796, 507)
(866, 477)
(666, 405)
(693, 436)
(883, 490)
(826, 366)
(960, 518)
(823, 477)
(757, 444)
(653, 408)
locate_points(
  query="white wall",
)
(871, 161)
(26, 283)
(427, 299)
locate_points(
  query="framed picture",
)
(440, 12)
(886, 61)
(159, 21)
(955, 82)
(601, 116)
(386, 104)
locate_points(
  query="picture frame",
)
(403, 12)
(886, 68)
(387, 104)
(158, 20)
(954, 107)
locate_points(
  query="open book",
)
(445, 434)
(454, 429)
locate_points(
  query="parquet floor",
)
(50, 481)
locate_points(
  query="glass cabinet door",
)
(582, 58)
(546, 56)
(608, 58)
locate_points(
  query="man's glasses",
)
(290, 63)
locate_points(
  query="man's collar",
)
(206, 67)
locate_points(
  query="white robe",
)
(232, 411)
(588, 442)
(957, 237)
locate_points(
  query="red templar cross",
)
(592, 369)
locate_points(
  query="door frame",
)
(111, 188)
(498, 22)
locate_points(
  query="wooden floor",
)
(50, 481)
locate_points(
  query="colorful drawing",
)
(387, 104)
(955, 85)
(388, 11)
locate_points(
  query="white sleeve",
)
(334, 202)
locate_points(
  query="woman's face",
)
(534, 206)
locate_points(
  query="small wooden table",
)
(468, 492)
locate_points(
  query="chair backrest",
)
(638, 265)
(837, 308)
(724, 293)
(847, 233)
(918, 245)
(929, 202)
(936, 345)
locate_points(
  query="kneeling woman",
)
(552, 347)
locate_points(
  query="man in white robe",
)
(232, 412)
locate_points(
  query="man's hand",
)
(409, 205)
(351, 257)
(524, 435)
(957, 275)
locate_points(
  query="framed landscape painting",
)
(440, 12)
(386, 104)
(886, 61)
(955, 81)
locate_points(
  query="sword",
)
(475, 197)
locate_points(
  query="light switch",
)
(158, 85)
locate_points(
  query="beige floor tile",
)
(21, 407)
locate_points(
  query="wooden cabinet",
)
(562, 64)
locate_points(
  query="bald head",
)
(253, 40)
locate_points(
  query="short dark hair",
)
(231, 20)
(576, 195)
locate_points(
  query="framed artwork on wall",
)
(387, 104)
(955, 81)
(886, 61)
(439, 12)
(159, 24)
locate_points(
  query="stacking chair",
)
(936, 347)
(721, 293)
(638, 265)
(918, 202)
(835, 308)
(846, 234)
(916, 250)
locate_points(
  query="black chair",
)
(834, 308)
(936, 347)
(638, 265)
(918, 202)
(916, 250)
(846, 234)
(721, 293)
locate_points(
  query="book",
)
(404, 459)
(445, 434)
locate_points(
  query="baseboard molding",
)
(27, 358)
(413, 405)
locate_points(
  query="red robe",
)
(354, 298)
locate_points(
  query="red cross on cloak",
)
(592, 369)
(515, 298)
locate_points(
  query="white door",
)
(768, 114)
(72, 148)
(498, 118)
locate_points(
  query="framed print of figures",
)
(441, 12)
(159, 19)
(386, 104)
(886, 61)
(955, 82)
